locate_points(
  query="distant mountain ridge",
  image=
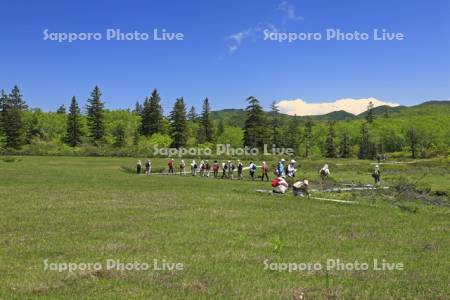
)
(236, 117)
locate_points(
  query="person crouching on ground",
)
(265, 171)
(240, 167)
(182, 168)
(252, 170)
(300, 188)
(377, 175)
(280, 186)
(138, 167)
(290, 171)
(148, 167)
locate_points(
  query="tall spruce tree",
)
(74, 131)
(308, 136)
(178, 124)
(192, 115)
(145, 118)
(13, 127)
(370, 116)
(206, 124)
(155, 113)
(95, 116)
(330, 145)
(293, 134)
(276, 124)
(366, 147)
(61, 110)
(345, 150)
(255, 124)
(3, 101)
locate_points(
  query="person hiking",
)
(377, 175)
(230, 169)
(138, 167)
(240, 167)
(193, 168)
(216, 169)
(265, 171)
(202, 168)
(224, 170)
(290, 171)
(182, 168)
(170, 165)
(280, 167)
(324, 172)
(300, 188)
(252, 170)
(279, 185)
(207, 168)
(148, 167)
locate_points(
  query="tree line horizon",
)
(125, 132)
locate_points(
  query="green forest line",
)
(418, 132)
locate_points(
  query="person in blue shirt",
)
(280, 167)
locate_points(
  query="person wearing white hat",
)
(280, 186)
(182, 168)
(138, 167)
(194, 168)
(231, 169)
(324, 172)
(377, 175)
(280, 167)
(300, 188)
(290, 171)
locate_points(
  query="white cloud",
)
(289, 10)
(235, 40)
(354, 106)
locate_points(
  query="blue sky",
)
(49, 73)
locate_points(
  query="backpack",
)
(275, 182)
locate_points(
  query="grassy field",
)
(80, 210)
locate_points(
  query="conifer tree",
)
(192, 115)
(95, 116)
(370, 116)
(178, 124)
(293, 134)
(344, 147)
(152, 115)
(13, 127)
(73, 133)
(308, 137)
(366, 147)
(276, 123)
(330, 146)
(255, 124)
(206, 125)
(61, 110)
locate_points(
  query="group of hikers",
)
(228, 169)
